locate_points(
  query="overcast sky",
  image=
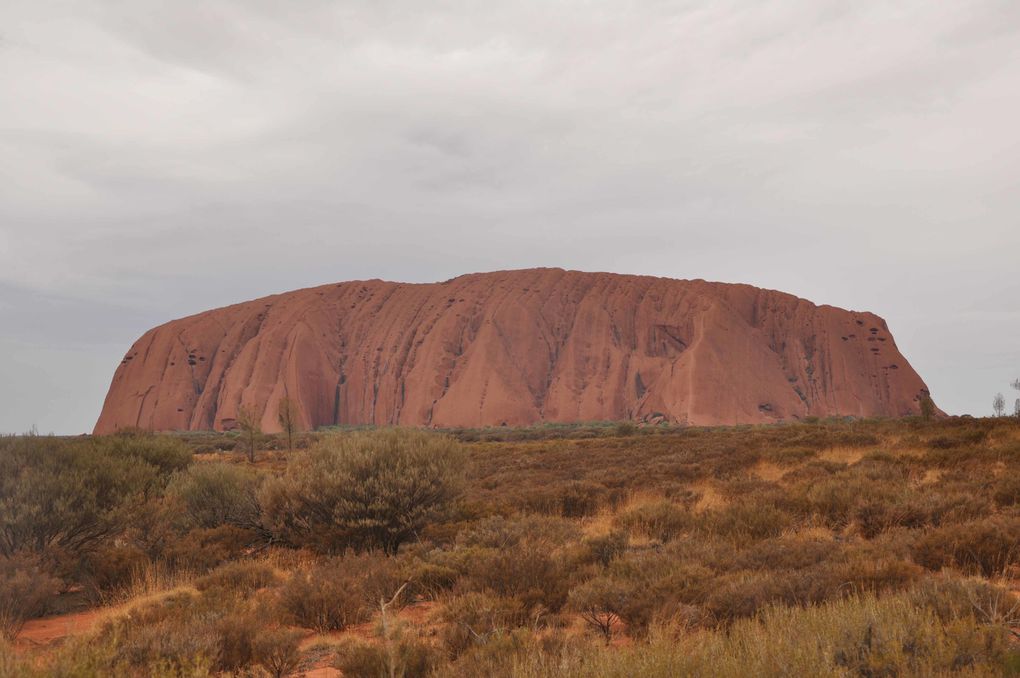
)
(161, 158)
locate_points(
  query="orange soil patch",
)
(50, 630)
(42, 633)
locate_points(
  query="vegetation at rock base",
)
(837, 547)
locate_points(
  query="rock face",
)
(514, 348)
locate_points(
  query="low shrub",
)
(26, 588)
(112, 568)
(429, 579)
(858, 635)
(178, 632)
(203, 549)
(988, 547)
(236, 634)
(876, 576)
(1006, 491)
(277, 651)
(241, 577)
(501, 531)
(504, 655)
(791, 456)
(319, 600)
(746, 520)
(602, 602)
(792, 553)
(662, 520)
(528, 571)
(579, 499)
(477, 618)
(408, 657)
(603, 549)
(338, 592)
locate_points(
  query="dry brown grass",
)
(709, 497)
(768, 471)
(843, 455)
(693, 533)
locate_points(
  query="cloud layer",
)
(158, 159)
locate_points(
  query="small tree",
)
(287, 416)
(927, 407)
(999, 404)
(599, 602)
(1016, 408)
(388, 632)
(250, 430)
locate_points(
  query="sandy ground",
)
(51, 630)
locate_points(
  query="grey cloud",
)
(157, 159)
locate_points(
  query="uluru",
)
(514, 348)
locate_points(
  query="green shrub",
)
(365, 490)
(625, 428)
(166, 453)
(68, 496)
(216, 494)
